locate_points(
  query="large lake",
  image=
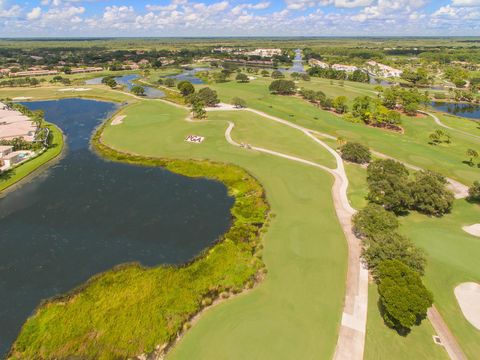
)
(471, 111)
(85, 215)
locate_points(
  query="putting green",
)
(300, 301)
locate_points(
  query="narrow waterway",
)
(85, 215)
(128, 82)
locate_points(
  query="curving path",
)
(440, 123)
(351, 340)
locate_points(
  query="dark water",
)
(189, 75)
(85, 215)
(471, 111)
(127, 81)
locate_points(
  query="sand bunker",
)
(472, 229)
(468, 297)
(118, 119)
(74, 89)
(19, 98)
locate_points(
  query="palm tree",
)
(472, 154)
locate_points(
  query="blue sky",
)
(239, 17)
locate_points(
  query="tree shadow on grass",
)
(400, 330)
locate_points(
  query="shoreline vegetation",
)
(153, 306)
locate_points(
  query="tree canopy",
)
(355, 152)
(403, 297)
(282, 87)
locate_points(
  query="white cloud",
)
(35, 13)
(9, 12)
(466, 3)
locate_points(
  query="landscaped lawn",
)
(23, 170)
(453, 258)
(385, 343)
(411, 147)
(305, 250)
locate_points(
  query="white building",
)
(383, 70)
(265, 52)
(14, 124)
(318, 63)
(346, 68)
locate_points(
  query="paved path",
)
(351, 340)
(440, 123)
(447, 338)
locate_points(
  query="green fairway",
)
(452, 259)
(23, 170)
(411, 147)
(51, 92)
(305, 251)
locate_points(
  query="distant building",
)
(382, 70)
(86, 70)
(318, 63)
(346, 68)
(34, 73)
(255, 63)
(267, 53)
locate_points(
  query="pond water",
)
(470, 111)
(127, 81)
(85, 215)
(297, 62)
(189, 75)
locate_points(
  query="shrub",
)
(242, 78)
(474, 192)
(186, 87)
(283, 87)
(356, 153)
(169, 82)
(430, 195)
(374, 219)
(392, 246)
(239, 102)
(138, 90)
(388, 184)
(208, 96)
(403, 297)
(277, 75)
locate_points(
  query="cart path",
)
(351, 339)
(448, 339)
(440, 123)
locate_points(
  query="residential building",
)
(318, 63)
(346, 68)
(382, 70)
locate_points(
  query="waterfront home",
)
(318, 63)
(382, 70)
(13, 124)
(13, 158)
(346, 68)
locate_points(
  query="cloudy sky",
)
(56, 18)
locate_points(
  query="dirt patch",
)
(118, 119)
(468, 297)
(472, 230)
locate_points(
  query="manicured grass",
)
(51, 92)
(411, 147)
(132, 309)
(452, 259)
(20, 172)
(384, 343)
(357, 185)
(304, 251)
